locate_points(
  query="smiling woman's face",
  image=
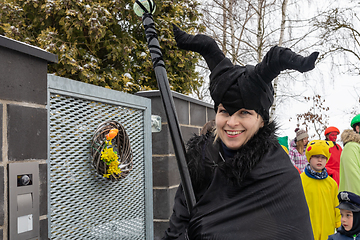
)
(237, 129)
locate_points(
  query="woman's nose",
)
(232, 121)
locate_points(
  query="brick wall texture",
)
(23, 125)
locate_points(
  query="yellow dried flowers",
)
(109, 156)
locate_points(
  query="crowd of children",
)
(331, 181)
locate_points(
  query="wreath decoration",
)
(111, 152)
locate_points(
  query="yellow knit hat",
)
(318, 147)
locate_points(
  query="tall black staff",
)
(147, 7)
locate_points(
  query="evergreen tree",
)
(103, 42)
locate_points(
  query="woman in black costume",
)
(244, 183)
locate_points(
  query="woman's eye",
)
(244, 112)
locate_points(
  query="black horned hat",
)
(248, 87)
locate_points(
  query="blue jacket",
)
(339, 236)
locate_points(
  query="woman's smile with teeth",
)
(233, 132)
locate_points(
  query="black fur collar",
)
(203, 156)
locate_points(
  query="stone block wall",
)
(23, 120)
(192, 115)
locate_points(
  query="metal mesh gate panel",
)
(83, 204)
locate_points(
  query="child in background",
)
(350, 217)
(333, 165)
(320, 190)
(297, 149)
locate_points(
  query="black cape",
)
(267, 203)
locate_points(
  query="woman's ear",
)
(262, 124)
